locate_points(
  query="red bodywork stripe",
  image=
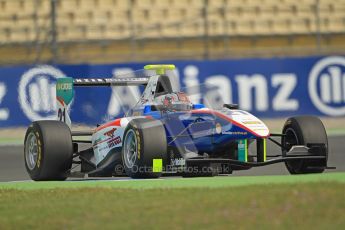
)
(116, 122)
(60, 100)
(218, 114)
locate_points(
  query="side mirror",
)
(231, 106)
(147, 109)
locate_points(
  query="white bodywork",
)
(249, 121)
(241, 119)
(108, 137)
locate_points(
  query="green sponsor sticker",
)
(242, 150)
(157, 165)
(64, 89)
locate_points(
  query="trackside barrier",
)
(277, 87)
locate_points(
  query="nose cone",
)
(238, 118)
(246, 121)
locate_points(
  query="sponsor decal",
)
(235, 133)
(39, 150)
(218, 128)
(64, 86)
(242, 148)
(110, 133)
(138, 143)
(259, 129)
(107, 140)
(64, 95)
(178, 162)
(251, 122)
(114, 141)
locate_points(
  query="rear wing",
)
(110, 81)
(65, 86)
(65, 91)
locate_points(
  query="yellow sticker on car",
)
(157, 165)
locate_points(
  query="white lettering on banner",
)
(256, 83)
(174, 77)
(222, 92)
(192, 83)
(217, 90)
(326, 85)
(123, 96)
(37, 92)
(286, 83)
(335, 75)
(325, 82)
(4, 112)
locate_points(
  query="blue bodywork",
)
(195, 130)
(191, 129)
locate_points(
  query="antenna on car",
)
(160, 69)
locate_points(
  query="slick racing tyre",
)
(304, 130)
(48, 150)
(144, 148)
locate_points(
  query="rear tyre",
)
(48, 150)
(304, 130)
(144, 148)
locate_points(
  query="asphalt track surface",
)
(12, 161)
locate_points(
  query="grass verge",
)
(205, 182)
(300, 202)
(300, 205)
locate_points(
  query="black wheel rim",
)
(130, 149)
(31, 151)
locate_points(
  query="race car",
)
(166, 134)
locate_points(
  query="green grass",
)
(11, 141)
(206, 182)
(287, 206)
(263, 202)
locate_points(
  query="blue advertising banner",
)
(277, 87)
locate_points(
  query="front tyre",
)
(304, 130)
(48, 150)
(144, 148)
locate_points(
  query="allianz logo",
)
(37, 92)
(332, 85)
(326, 88)
(327, 85)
